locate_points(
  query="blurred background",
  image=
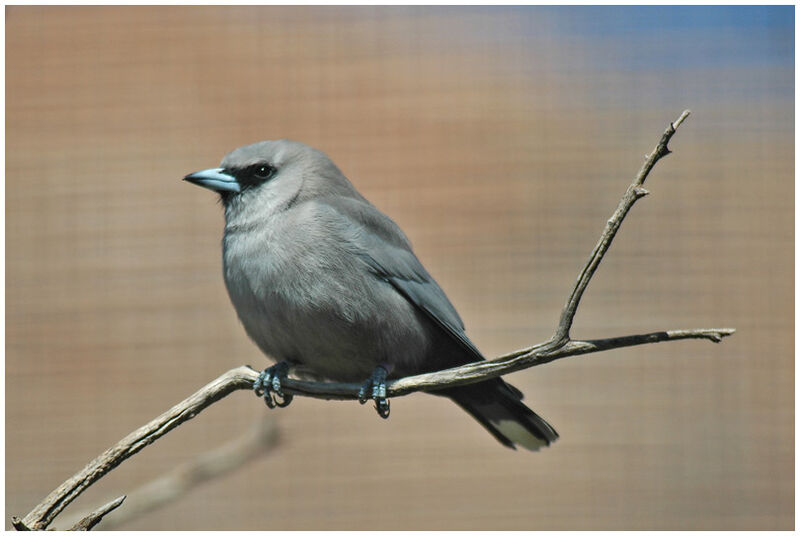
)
(500, 140)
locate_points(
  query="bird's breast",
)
(307, 298)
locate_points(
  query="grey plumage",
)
(322, 279)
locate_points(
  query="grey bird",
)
(325, 283)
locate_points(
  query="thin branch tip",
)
(88, 522)
(714, 335)
(720, 334)
(681, 119)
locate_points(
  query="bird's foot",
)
(268, 385)
(375, 388)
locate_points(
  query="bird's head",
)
(269, 176)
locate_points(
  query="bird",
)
(325, 283)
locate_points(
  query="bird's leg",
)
(268, 385)
(377, 385)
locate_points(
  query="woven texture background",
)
(500, 140)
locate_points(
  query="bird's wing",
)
(387, 252)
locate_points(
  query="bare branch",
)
(88, 522)
(483, 370)
(43, 514)
(634, 193)
(558, 346)
(258, 440)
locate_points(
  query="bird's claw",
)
(268, 385)
(376, 386)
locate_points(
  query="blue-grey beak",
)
(214, 179)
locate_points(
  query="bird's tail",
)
(498, 407)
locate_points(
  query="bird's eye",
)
(263, 172)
